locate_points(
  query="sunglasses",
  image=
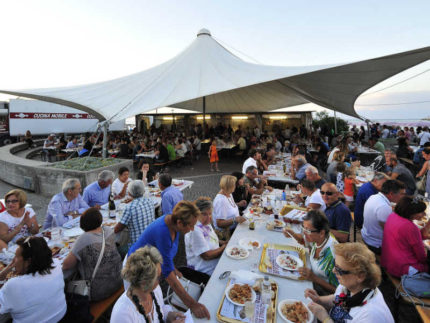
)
(340, 271)
(326, 193)
(307, 231)
(12, 201)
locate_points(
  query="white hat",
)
(52, 135)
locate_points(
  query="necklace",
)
(322, 244)
(232, 203)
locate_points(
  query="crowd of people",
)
(342, 272)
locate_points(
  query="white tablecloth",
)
(146, 155)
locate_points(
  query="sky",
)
(51, 43)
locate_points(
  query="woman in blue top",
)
(163, 234)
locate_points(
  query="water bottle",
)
(55, 229)
(284, 196)
(266, 293)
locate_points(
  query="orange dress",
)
(213, 153)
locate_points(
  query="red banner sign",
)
(50, 115)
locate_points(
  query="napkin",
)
(72, 223)
(245, 277)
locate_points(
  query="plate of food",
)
(249, 243)
(237, 252)
(294, 311)
(277, 223)
(239, 294)
(268, 210)
(256, 209)
(255, 201)
(289, 262)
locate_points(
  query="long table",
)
(214, 291)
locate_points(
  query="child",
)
(340, 169)
(213, 156)
(349, 181)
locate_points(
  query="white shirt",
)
(278, 146)
(224, 209)
(317, 199)
(376, 209)
(249, 162)
(202, 239)
(385, 133)
(330, 156)
(374, 311)
(38, 298)
(13, 222)
(125, 310)
(197, 144)
(117, 186)
(424, 137)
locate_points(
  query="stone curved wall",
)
(37, 176)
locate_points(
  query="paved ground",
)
(206, 183)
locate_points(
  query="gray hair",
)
(378, 176)
(105, 175)
(301, 159)
(203, 203)
(312, 169)
(69, 184)
(141, 268)
(136, 188)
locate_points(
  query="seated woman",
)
(85, 253)
(338, 157)
(314, 199)
(143, 300)
(402, 243)
(119, 185)
(163, 233)
(404, 151)
(37, 293)
(316, 235)
(241, 194)
(146, 174)
(357, 298)
(226, 212)
(17, 221)
(202, 246)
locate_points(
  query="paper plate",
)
(244, 251)
(291, 301)
(227, 292)
(247, 243)
(74, 232)
(280, 260)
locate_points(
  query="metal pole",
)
(204, 116)
(335, 123)
(105, 138)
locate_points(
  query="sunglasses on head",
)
(326, 193)
(340, 271)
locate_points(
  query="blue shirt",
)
(365, 191)
(94, 194)
(157, 234)
(169, 198)
(339, 217)
(301, 172)
(60, 205)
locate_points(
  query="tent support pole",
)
(204, 116)
(105, 138)
(335, 123)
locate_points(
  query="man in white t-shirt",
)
(252, 160)
(376, 211)
(119, 186)
(424, 136)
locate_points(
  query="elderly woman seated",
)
(316, 236)
(314, 199)
(37, 293)
(85, 253)
(17, 221)
(143, 300)
(202, 245)
(357, 298)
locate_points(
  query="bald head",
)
(329, 193)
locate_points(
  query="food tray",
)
(263, 267)
(287, 208)
(271, 310)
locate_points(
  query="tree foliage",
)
(326, 122)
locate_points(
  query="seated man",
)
(338, 214)
(269, 156)
(97, 193)
(138, 214)
(313, 176)
(67, 205)
(73, 143)
(170, 195)
(401, 173)
(254, 155)
(299, 166)
(119, 186)
(255, 183)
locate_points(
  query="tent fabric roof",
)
(206, 69)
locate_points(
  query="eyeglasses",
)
(326, 193)
(307, 231)
(12, 201)
(340, 271)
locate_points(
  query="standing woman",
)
(226, 213)
(213, 156)
(17, 221)
(426, 167)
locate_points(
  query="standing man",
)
(170, 195)
(367, 190)
(338, 214)
(424, 136)
(66, 205)
(97, 193)
(376, 211)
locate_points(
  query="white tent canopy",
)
(206, 69)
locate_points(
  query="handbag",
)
(417, 285)
(193, 289)
(83, 286)
(421, 184)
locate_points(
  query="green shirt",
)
(379, 146)
(171, 151)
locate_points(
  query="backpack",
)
(417, 285)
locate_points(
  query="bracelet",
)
(234, 221)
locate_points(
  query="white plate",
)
(74, 232)
(298, 260)
(227, 291)
(228, 252)
(291, 301)
(281, 222)
(246, 243)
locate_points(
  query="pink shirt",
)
(402, 246)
